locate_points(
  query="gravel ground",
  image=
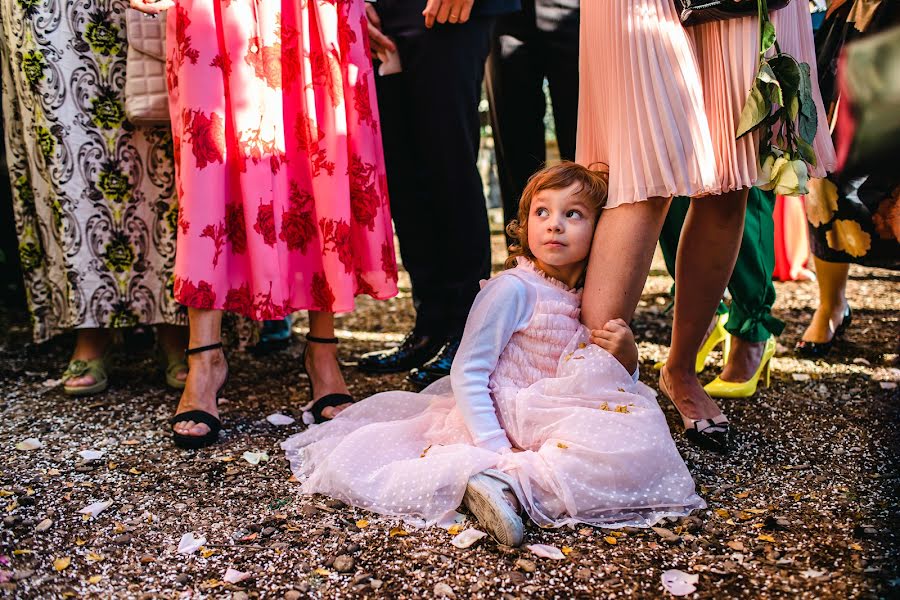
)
(805, 507)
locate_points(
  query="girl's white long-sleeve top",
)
(504, 306)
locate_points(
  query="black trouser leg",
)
(431, 135)
(514, 84)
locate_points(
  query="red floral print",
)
(337, 234)
(182, 39)
(236, 227)
(283, 201)
(207, 137)
(323, 296)
(364, 198)
(363, 286)
(239, 300)
(363, 104)
(265, 223)
(222, 61)
(297, 225)
(199, 296)
(217, 234)
(307, 133)
(346, 35)
(266, 61)
(389, 261)
(326, 73)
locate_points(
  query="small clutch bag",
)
(694, 12)
(146, 96)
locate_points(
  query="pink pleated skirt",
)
(659, 103)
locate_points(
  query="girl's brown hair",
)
(593, 190)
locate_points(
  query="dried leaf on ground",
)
(679, 583)
(96, 508)
(546, 551)
(254, 458)
(279, 419)
(190, 544)
(61, 563)
(468, 537)
(235, 576)
(29, 444)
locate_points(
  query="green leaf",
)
(754, 112)
(806, 152)
(807, 105)
(766, 73)
(767, 37)
(787, 71)
(808, 122)
(793, 107)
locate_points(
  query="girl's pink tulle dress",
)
(597, 448)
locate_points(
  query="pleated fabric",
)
(281, 179)
(659, 103)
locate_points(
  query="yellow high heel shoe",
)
(719, 388)
(716, 337)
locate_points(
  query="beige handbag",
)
(146, 96)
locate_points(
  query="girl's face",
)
(560, 230)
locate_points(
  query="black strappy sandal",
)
(193, 442)
(316, 407)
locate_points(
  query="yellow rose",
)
(791, 179)
(821, 202)
(771, 170)
(847, 236)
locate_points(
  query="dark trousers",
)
(430, 130)
(539, 42)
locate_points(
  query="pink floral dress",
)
(280, 170)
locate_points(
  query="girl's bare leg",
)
(707, 251)
(207, 370)
(832, 280)
(322, 362)
(621, 254)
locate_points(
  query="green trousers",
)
(752, 291)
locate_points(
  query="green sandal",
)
(95, 367)
(173, 364)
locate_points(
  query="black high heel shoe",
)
(806, 349)
(193, 442)
(710, 434)
(315, 407)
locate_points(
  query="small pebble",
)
(526, 565)
(343, 563)
(292, 595)
(442, 590)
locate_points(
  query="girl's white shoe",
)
(487, 498)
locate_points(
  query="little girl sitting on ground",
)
(538, 414)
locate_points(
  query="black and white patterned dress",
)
(93, 195)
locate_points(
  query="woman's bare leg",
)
(707, 251)
(621, 254)
(322, 362)
(207, 370)
(173, 340)
(832, 280)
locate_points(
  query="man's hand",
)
(377, 40)
(617, 338)
(447, 11)
(150, 7)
